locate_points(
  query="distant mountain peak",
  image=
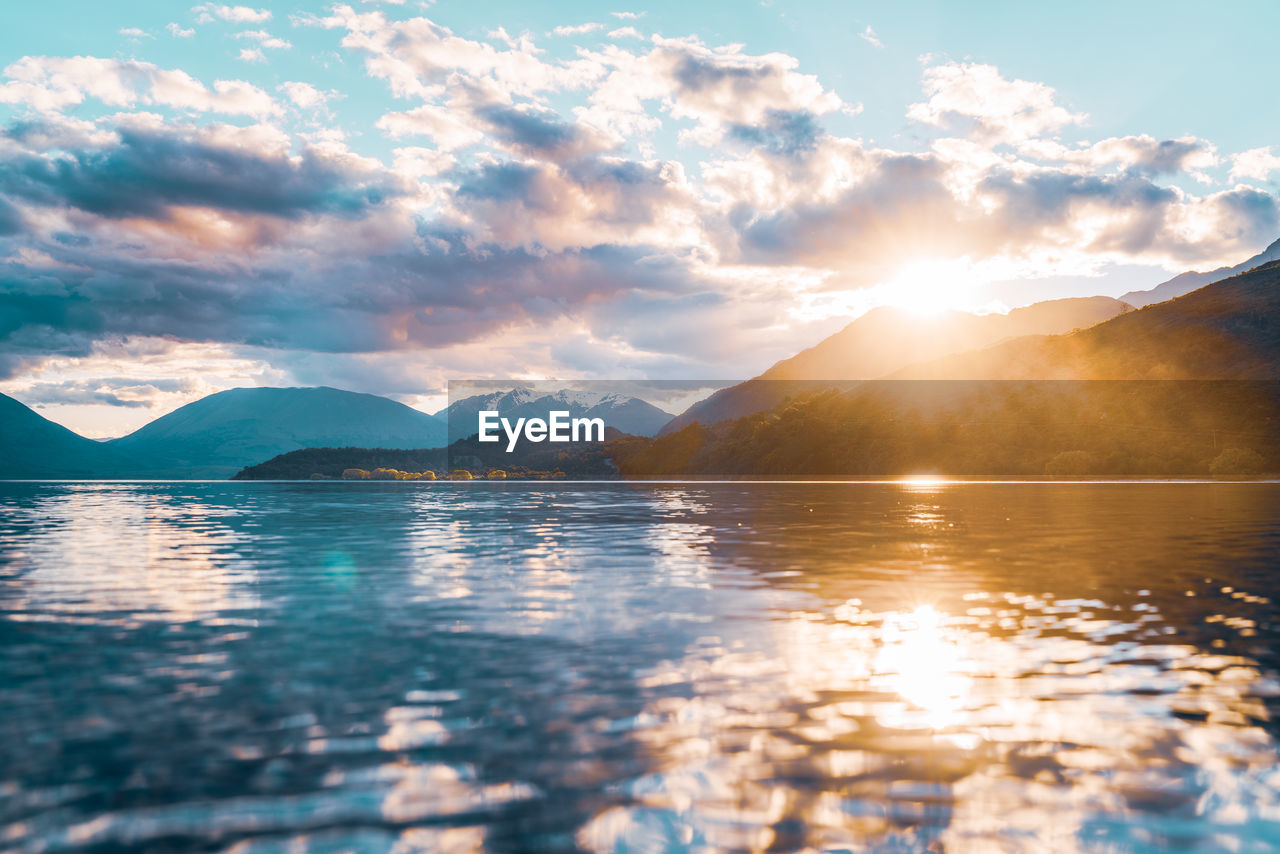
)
(626, 414)
(1185, 283)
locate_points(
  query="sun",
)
(928, 287)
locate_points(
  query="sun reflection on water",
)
(665, 668)
(923, 666)
(908, 729)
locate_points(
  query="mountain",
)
(1188, 282)
(887, 339)
(983, 428)
(31, 446)
(1226, 330)
(625, 414)
(460, 417)
(218, 435)
(1082, 403)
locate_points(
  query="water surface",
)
(269, 667)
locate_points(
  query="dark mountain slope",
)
(1227, 330)
(1185, 283)
(220, 434)
(887, 339)
(32, 446)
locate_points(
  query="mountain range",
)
(888, 339)
(219, 435)
(626, 414)
(1226, 329)
(214, 437)
(1185, 283)
(1187, 386)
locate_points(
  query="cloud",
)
(446, 128)
(135, 33)
(523, 220)
(265, 39)
(720, 90)
(120, 384)
(417, 57)
(51, 84)
(580, 29)
(1142, 154)
(147, 171)
(251, 54)
(178, 32)
(626, 33)
(535, 132)
(628, 16)
(208, 12)
(524, 129)
(110, 391)
(11, 221)
(1256, 164)
(550, 207)
(978, 100)
(780, 131)
(304, 95)
(869, 36)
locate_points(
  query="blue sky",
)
(383, 196)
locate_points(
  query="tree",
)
(355, 474)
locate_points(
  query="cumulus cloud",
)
(147, 170)
(869, 36)
(979, 100)
(265, 39)
(304, 95)
(109, 391)
(524, 219)
(178, 32)
(1144, 154)
(443, 126)
(207, 13)
(723, 91)
(135, 33)
(1256, 164)
(578, 30)
(50, 84)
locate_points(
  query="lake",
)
(614, 667)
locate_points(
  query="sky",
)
(384, 196)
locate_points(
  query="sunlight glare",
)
(924, 481)
(929, 287)
(923, 665)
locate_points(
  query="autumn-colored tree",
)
(355, 474)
